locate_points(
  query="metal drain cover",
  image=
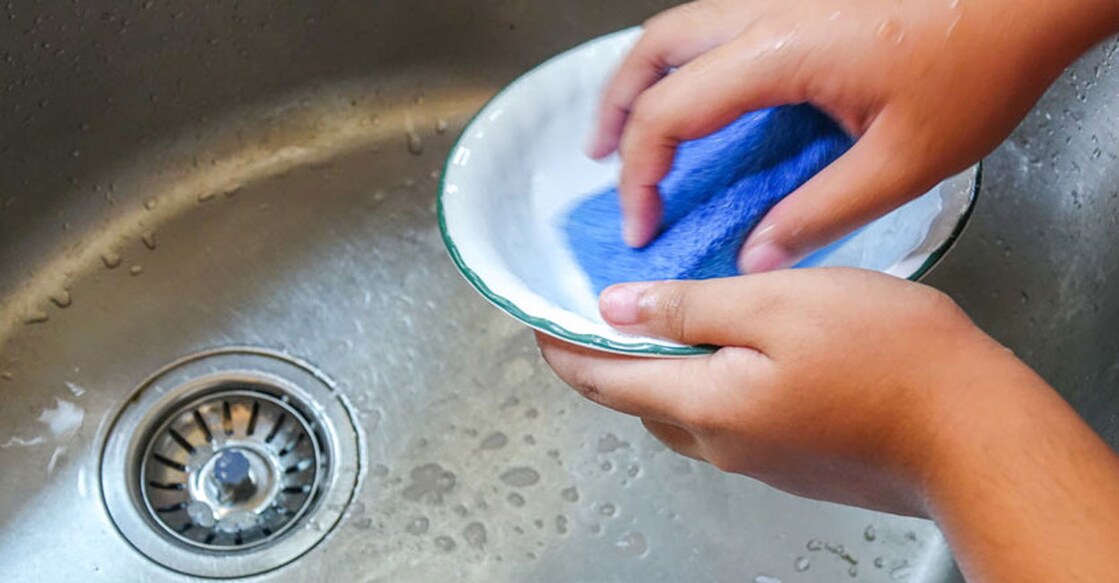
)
(233, 469)
(218, 460)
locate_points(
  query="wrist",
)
(1016, 471)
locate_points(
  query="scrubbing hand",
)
(718, 190)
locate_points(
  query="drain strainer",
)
(230, 463)
(232, 469)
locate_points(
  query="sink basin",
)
(230, 197)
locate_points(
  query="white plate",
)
(519, 167)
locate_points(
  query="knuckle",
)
(576, 377)
(647, 112)
(656, 26)
(674, 311)
(698, 418)
(587, 387)
(940, 310)
(721, 461)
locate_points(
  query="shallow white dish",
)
(519, 167)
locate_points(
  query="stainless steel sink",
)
(203, 207)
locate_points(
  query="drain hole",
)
(201, 423)
(216, 461)
(230, 489)
(276, 428)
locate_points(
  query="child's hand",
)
(859, 388)
(834, 383)
(928, 86)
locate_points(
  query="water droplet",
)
(441, 126)
(607, 509)
(814, 545)
(135, 270)
(496, 440)
(891, 31)
(6, 375)
(570, 494)
(201, 514)
(766, 579)
(802, 564)
(415, 144)
(150, 204)
(36, 317)
(445, 543)
(206, 196)
(902, 572)
(75, 153)
(530, 440)
(870, 534)
(911, 536)
(609, 443)
(418, 526)
(631, 544)
(516, 499)
(379, 470)
(561, 524)
(520, 477)
(475, 535)
(879, 562)
(148, 239)
(607, 466)
(429, 483)
(61, 298)
(532, 414)
(853, 571)
(111, 259)
(232, 192)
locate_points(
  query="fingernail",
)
(621, 304)
(764, 257)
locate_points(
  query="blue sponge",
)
(717, 191)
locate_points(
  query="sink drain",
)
(233, 469)
(219, 464)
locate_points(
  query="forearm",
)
(1025, 491)
(1061, 30)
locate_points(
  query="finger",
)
(740, 76)
(675, 438)
(746, 311)
(670, 39)
(865, 183)
(666, 390)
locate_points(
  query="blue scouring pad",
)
(718, 190)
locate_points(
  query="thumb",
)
(868, 181)
(733, 311)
